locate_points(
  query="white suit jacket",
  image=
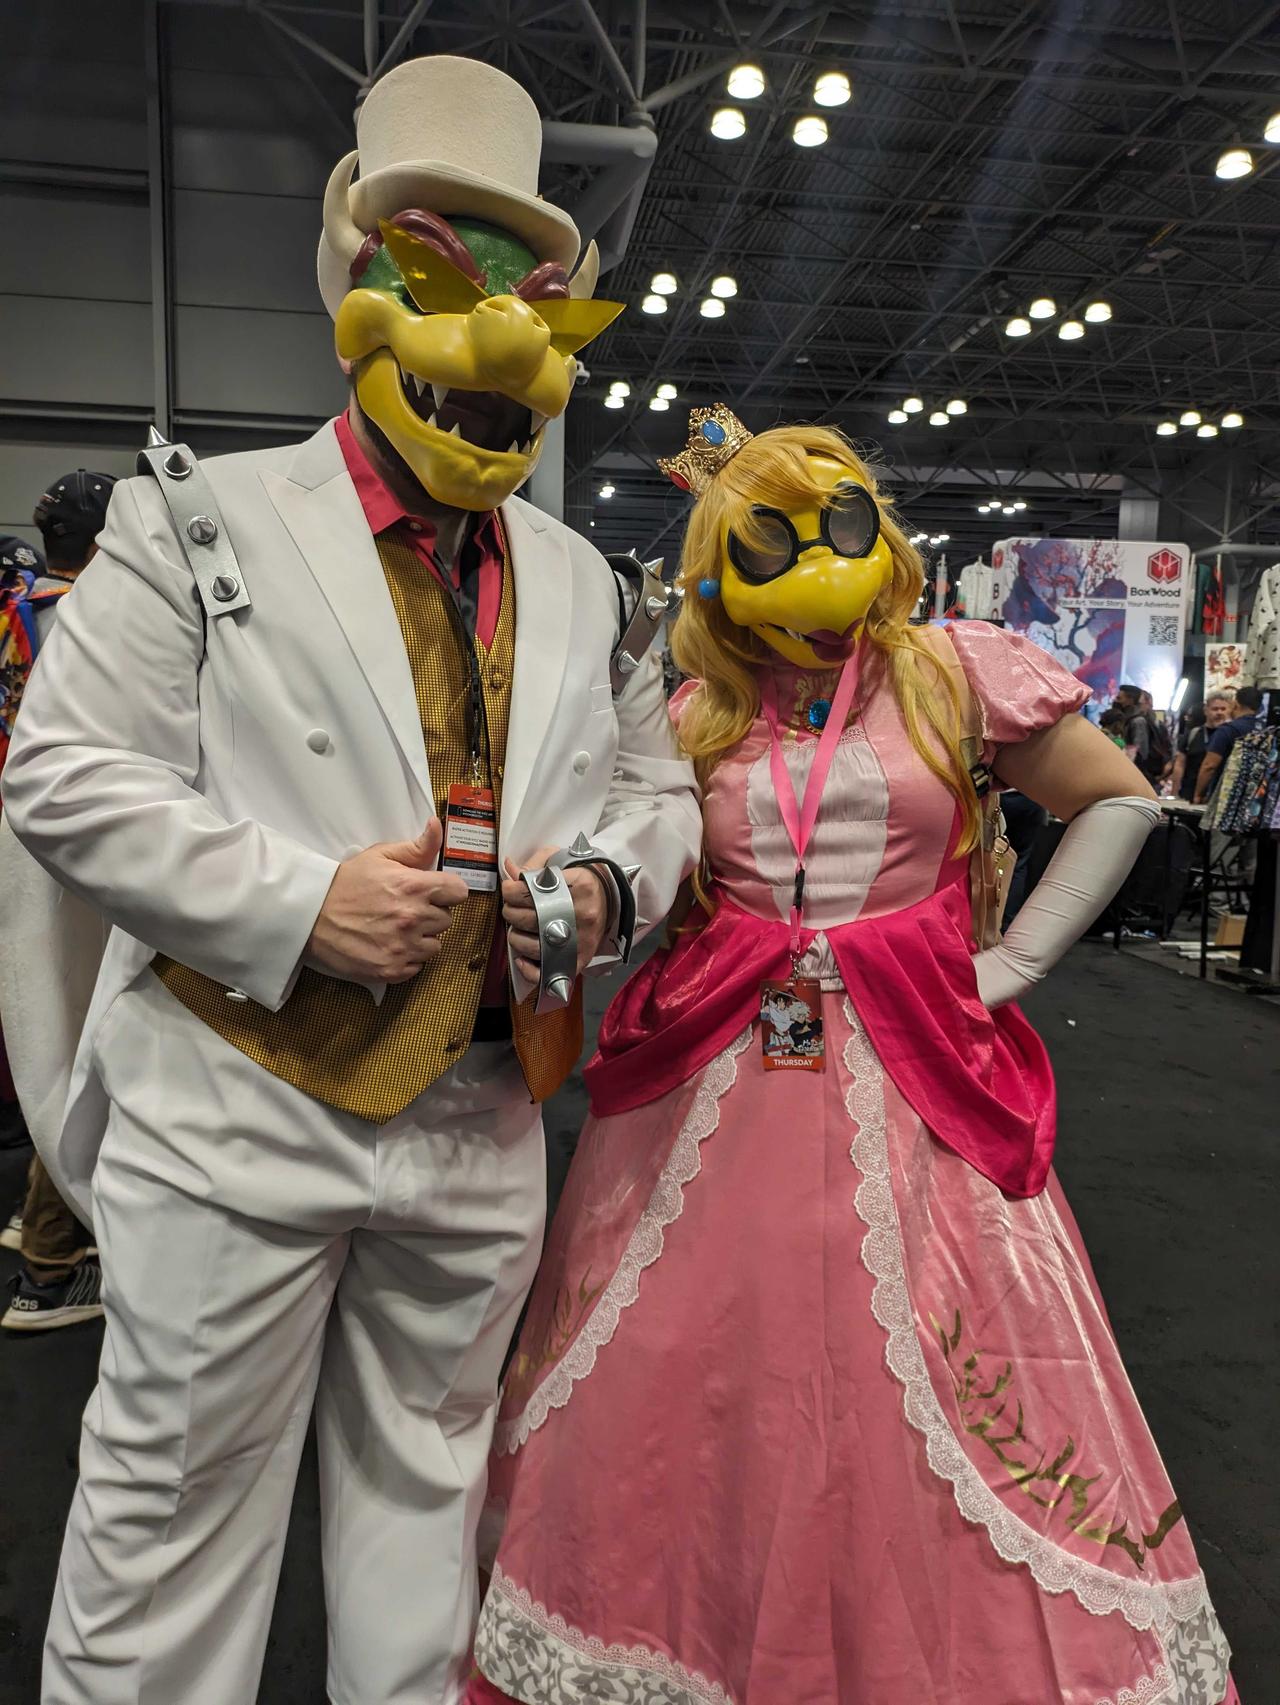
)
(199, 789)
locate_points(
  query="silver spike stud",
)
(155, 438)
(557, 932)
(627, 664)
(176, 465)
(224, 587)
(546, 879)
(202, 529)
(581, 846)
(655, 607)
(631, 871)
(560, 988)
(656, 567)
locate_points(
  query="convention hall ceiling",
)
(991, 153)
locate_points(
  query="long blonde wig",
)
(773, 470)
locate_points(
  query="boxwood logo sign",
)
(1110, 610)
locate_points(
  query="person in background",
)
(1193, 743)
(1243, 721)
(60, 1283)
(1113, 723)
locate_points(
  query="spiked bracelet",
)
(557, 922)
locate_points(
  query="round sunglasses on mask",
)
(850, 527)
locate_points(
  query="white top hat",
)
(452, 136)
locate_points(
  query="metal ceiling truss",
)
(988, 155)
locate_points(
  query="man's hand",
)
(386, 910)
(590, 908)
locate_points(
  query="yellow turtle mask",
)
(802, 579)
(462, 347)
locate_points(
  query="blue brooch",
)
(819, 711)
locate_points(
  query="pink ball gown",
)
(817, 1402)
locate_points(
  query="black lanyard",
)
(477, 721)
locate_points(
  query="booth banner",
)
(1110, 610)
(1225, 668)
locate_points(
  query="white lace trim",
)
(519, 1640)
(662, 1209)
(1153, 1689)
(1100, 1592)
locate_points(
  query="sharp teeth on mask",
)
(431, 419)
(513, 449)
(417, 383)
(440, 392)
(455, 431)
(526, 449)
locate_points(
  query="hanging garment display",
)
(1264, 630)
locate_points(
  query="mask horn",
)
(342, 233)
(583, 283)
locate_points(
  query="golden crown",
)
(715, 437)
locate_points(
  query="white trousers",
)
(262, 1252)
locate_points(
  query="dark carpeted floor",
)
(1168, 1148)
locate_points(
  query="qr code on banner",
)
(1163, 630)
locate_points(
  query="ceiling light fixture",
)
(1191, 417)
(1272, 132)
(664, 283)
(1019, 326)
(1098, 313)
(1208, 430)
(913, 405)
(943, 537)
(1020, 504)
(832, 89)
(712, 308)
(898, 416)
(668, 391)
(724, 286)
(1007, 509)
(654, 305)
(619, 388)
(957, 405)
(809, 131)
(615, 400)
(1166, 429)
(606, 491)
(1232, 420)
(745, 82)
(1070, 330)
(939, 417)
(984, 509)
(727, 123)
(659, 405)
(1234, 163)
(1043, 308)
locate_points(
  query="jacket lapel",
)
(318, 505)
(544, 616)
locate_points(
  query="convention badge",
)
(791, 1036)
(471, 837)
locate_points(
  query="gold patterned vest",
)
(330, 1039)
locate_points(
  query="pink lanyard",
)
(799, 819)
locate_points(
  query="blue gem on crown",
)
(713, 432)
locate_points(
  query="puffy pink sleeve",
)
(680, 699)
(1019, 688)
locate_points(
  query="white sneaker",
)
(11, 1236)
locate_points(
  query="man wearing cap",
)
(306, 1094)
(50, 947)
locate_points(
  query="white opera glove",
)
(1096, 853)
